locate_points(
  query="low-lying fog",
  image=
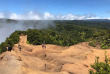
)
(9, 26)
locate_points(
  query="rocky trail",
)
(54, 59)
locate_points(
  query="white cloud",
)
(69, 17)
(47, 16)
(94, 18)
(14, 16)
(32, 16)
(108, 18)
(2, 15)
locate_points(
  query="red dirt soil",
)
(54, 59)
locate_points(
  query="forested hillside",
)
(65, 33)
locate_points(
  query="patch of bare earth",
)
(54, 59)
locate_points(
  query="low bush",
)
(101, 67)
(27, 42)
(92, 43)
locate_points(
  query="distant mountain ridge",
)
(98, 19)
(57, 20)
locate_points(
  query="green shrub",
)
(27, 42)
(101, 67)
(104, 46)
(109, 44)
(92, 44)
(0, 50)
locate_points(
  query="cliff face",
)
(52, 60)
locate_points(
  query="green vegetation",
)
(92, 43)
(102, 38)
(65, 33)
(101, 67)
(10, 41)
(27, 42)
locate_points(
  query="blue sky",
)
(100, 8)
